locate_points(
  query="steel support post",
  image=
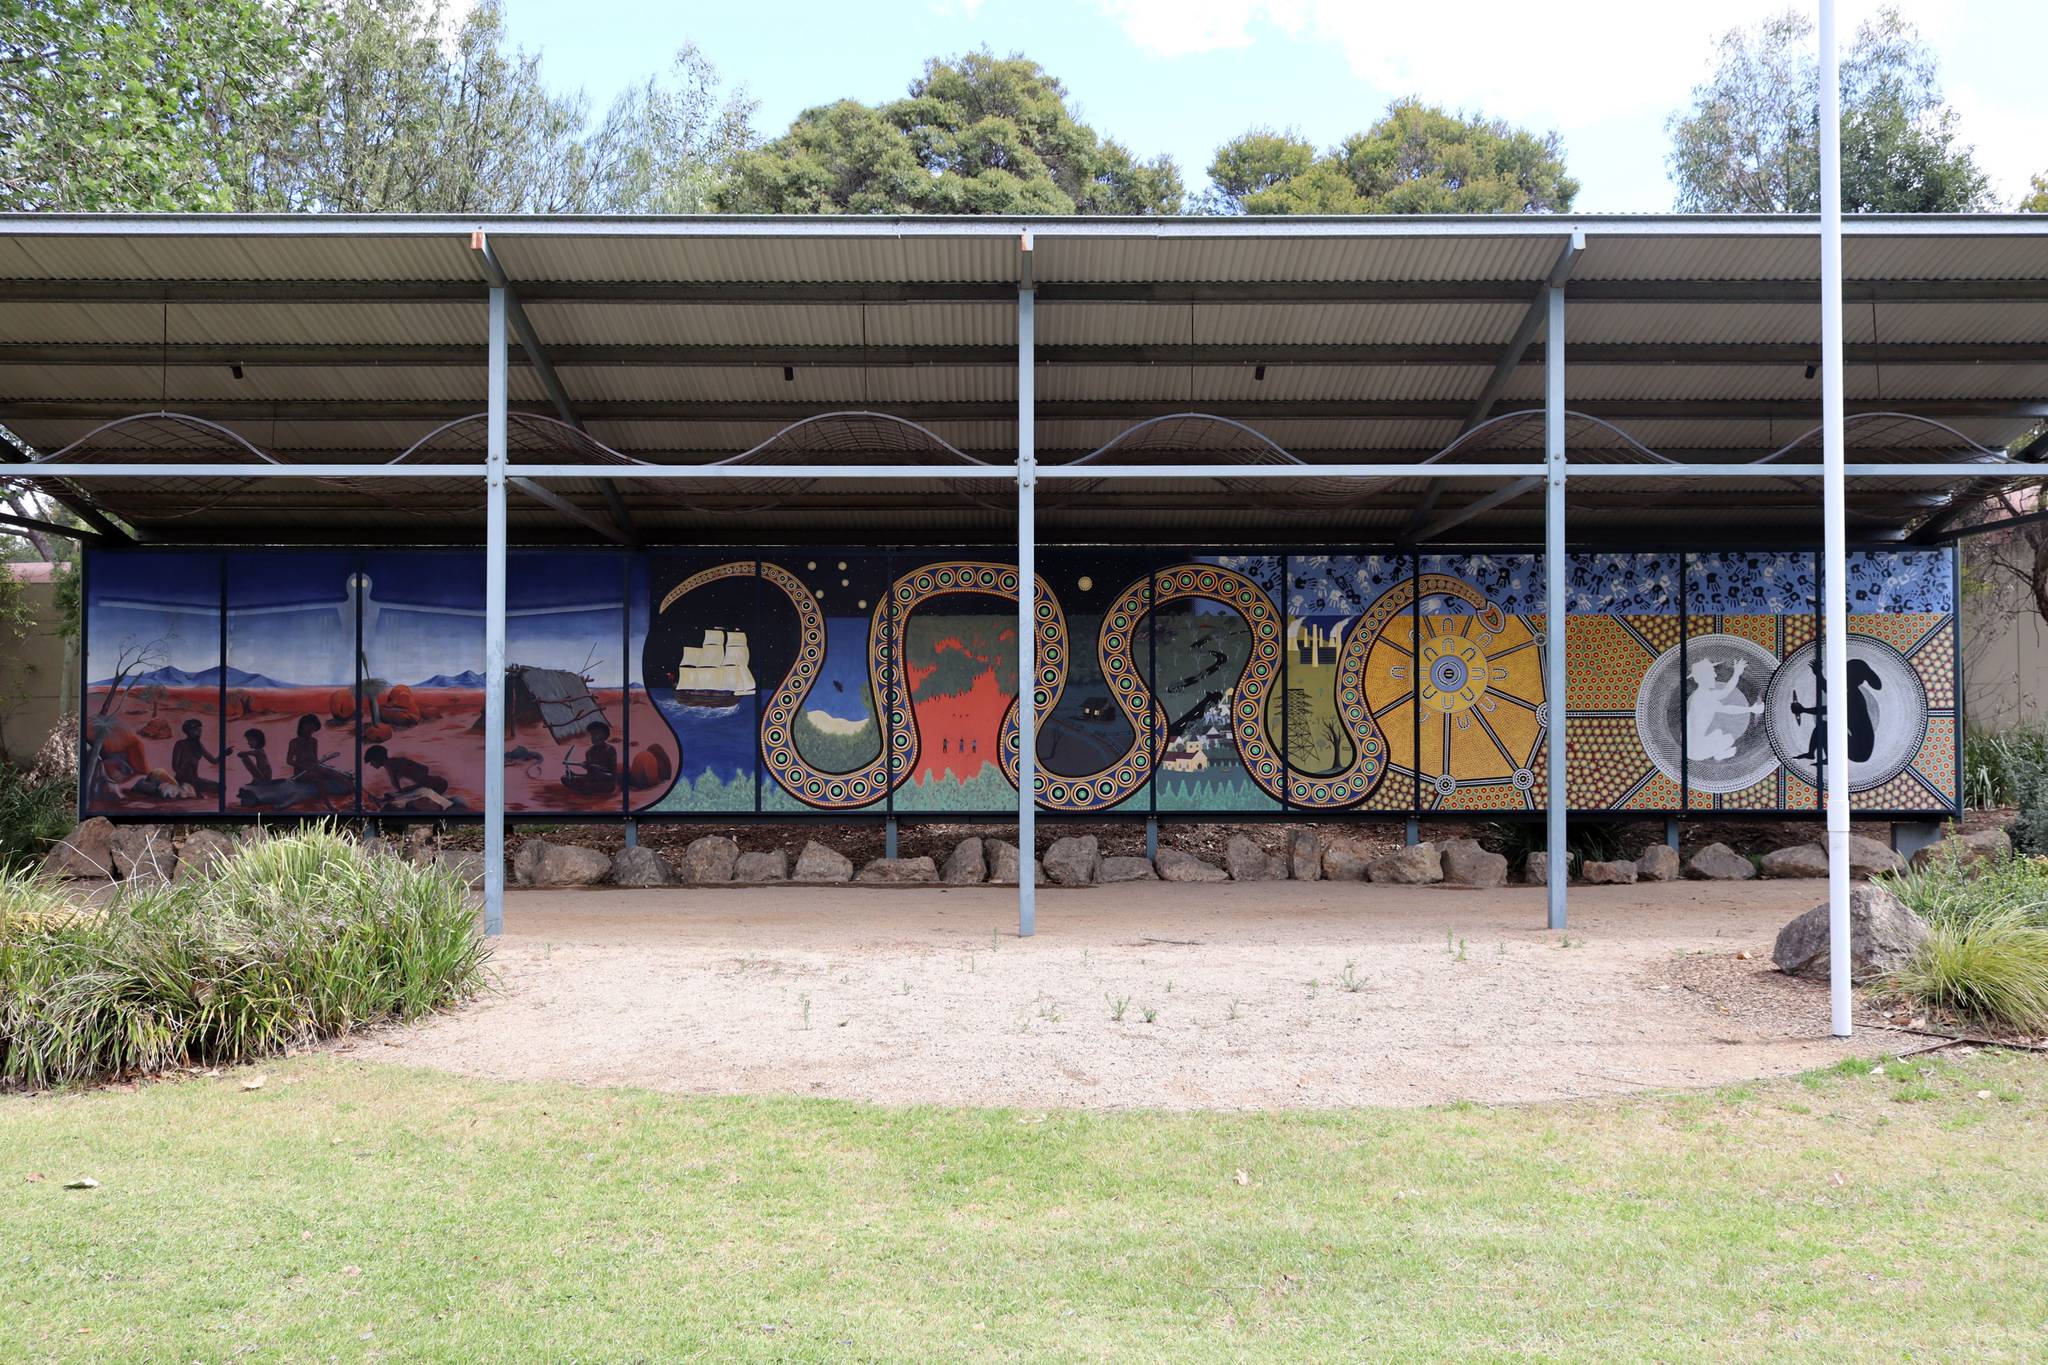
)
(1555, 571)
(1027, 615)
(494, 624)
(1834, 518)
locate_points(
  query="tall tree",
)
(978, 134)
(1750, 141)
(160, 105)
(1417, 159)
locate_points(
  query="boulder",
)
(1414, 865)
(1176, 866)
(1868, 857)
(1345, 860)
(1002, 864)
(1305, 855)
(87, 851)
(707, 860)
(1800, 860)
(1719, 863)
(1967, 850)
(1125, 870)
(1659, 863)
(639, 865)
(772, 866)
(200, 850)
(1536, 869)
(143, 851)
(899, 870)
(1466, 863)
(1072, 861)
(468, 866)
(1619, 872)
(421, 843)
(1247, 862)
(967, 864)
(540, 863)
(1883, 937)
(817, 863)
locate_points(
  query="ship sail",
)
(716, 672)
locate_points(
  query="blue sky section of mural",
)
(150, 734)
(290, 702)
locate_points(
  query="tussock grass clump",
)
(292, 939)
(1986, 955)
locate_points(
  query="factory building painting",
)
(692, 682)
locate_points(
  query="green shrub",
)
(1999, 766)
(1517, 839)
(293, 939)
(1991, 967)
(1948, 889)
(35, 812)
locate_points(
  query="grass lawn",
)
(354, 1211)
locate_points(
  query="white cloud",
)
(1598, 61)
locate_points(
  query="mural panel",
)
(150, 734)
(819, 680)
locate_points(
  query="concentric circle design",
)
(1887, 713)
(1699, 710)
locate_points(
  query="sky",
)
(1183, 76)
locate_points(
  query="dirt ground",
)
(1249, 996)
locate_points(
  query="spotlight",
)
(1259, 374)
(235, 370)
(1811, 370)
(789, 374)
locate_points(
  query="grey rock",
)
(540, 863)
(1536, 869)
(468, 866)
(143, 851)
(1619, 872)
(1002, 864)
(199, 850)
(772, 866)
(1345, 860)
(422, 842)
(1466, 863)
(1177, 866)
(87, 851)
(1659, 863)
(1800, 860)
(1868, 857)
(1883, 937)
(1072, 861)
(1719, 863)
(1967, 850)
(967, 864)
(817, 863)
(640, 866)
(1247, 862)
(1305, 855)
(1125, 870)
(1412, 865)
(707, 860)
(899, 870)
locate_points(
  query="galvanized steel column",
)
(1027, 612)
(1554, 573)
(1834, 517)
(494, 624)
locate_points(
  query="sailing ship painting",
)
(715, 673)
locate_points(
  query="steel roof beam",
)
(551, 384)
(1250, 292)
(330, 355)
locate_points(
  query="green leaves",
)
(1417, 159)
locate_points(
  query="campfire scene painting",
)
(703, 681)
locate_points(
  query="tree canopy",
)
(977, 134)
(355, 106)
(1750, 142)
(1417, 159)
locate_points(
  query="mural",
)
(696, 681)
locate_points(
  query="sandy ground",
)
(1261, 996)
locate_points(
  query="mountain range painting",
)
(689, 682)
